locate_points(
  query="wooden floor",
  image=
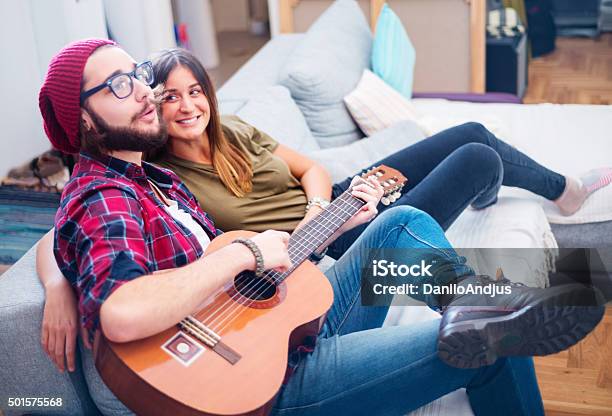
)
(579, 381)
(579, 71)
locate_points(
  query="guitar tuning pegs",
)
(379, 174)
(385, 201)
(397, 195)
(392, 198)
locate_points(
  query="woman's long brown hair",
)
(231, 163)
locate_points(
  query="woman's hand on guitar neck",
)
(370, 191)
(273, 246)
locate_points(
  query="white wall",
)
(141, 26)
(198, 16)
(32, 31)
(20, 77)
(58, 22)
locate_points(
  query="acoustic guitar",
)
(230, 357)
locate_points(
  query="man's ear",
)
(86, 119)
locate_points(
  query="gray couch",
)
(293, 90)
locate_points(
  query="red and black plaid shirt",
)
(111, 228)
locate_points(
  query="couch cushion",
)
(325, 67)
(231, 106)
(351, 159)
(275, 113)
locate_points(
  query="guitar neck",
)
(307, 239)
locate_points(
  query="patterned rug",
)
(25, 216)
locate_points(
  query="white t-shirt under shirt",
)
(187, 220)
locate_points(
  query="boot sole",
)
(540, 329)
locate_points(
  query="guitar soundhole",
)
(254, 288)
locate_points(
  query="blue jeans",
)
(457, 167)
(359, 368)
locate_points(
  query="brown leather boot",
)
(477, 329)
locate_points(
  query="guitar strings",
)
(229, 318)
(286, 274)
(299, 248)
(240, 310)
(282, 277)
(299, 245)
(271, 275)
(256, 285)
(296, 250)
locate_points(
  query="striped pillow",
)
(375, 105)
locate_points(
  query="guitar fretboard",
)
(307, 239)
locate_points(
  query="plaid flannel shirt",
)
(111, 228)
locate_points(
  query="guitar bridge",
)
(210, 338)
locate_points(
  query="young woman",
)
(247, 180)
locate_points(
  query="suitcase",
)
(507, 65)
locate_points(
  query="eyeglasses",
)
(121, 85)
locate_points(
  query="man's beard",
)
(127, 138)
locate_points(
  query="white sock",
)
(578, 190)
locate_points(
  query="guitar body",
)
(174, 373)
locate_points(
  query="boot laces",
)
(501, 281)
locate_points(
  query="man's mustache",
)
(146, 106)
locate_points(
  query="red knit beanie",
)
(59, 97)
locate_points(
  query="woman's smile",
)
(189, 121)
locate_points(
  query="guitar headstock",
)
(391, 180)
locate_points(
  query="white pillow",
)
(375, 105)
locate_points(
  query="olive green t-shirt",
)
(277, 200)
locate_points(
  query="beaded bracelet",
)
(259, 262)
(318, 201)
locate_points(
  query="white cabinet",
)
(197, 16)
